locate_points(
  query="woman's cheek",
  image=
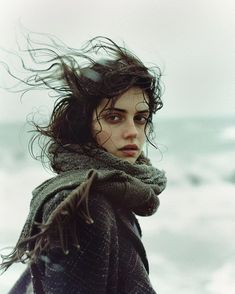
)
(103, 137)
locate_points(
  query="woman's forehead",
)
(135, 99)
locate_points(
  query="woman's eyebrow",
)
(124, 111)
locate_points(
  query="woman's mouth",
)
(129, 150)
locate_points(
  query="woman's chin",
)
(131, 160)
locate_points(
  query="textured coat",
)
(111, 258)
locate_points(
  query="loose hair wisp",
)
(81, 78)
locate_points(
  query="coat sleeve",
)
(91, 268)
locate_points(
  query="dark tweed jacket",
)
(111, 258)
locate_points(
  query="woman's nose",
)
(130, 130)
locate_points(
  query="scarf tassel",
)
(61, 226)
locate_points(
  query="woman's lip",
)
(129, 152)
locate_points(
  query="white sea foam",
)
(191, 234)
(228, 134)
(222, 280)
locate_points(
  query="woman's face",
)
(120, 130)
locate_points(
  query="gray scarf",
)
(83, 170)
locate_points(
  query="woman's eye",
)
(113, 118)
(116, 118)
(141, 119)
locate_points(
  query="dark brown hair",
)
(81, 78)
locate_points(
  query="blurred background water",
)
(189, 240)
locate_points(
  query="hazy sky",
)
(192, 41)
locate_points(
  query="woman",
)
(81, 234)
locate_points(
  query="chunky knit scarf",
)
(83, 170)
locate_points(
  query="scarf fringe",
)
(56, 227)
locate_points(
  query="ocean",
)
(189, 240)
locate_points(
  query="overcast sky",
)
(192, 41)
